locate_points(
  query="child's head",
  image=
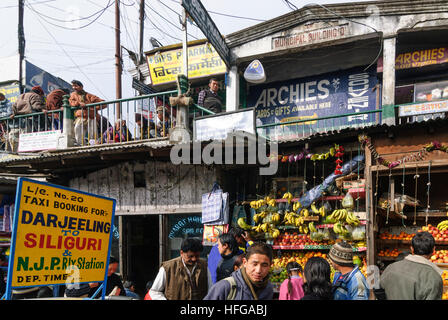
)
(293, 268)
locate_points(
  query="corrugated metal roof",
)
(86, 150)
(439, 122)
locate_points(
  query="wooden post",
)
(370, 214)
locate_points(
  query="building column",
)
(388, 86)
(232, 90)
(67, 139)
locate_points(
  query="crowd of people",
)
(189, 277)
(238, 268)
(90, 126)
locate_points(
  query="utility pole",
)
(142, 24)
(118, 70)
(21, 36)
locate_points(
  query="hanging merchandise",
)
(416, 156)
(339, 153)
(215, 206)
(305, 154)
(238, 212)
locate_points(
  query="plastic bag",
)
(359, 233)
(348, 202)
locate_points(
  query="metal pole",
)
(118, 70)
(21, 36)
(185, 43)
(142, 24)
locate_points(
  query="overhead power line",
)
(176, 26)
(45, 17)
(68, 56)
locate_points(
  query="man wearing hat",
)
(348, 283)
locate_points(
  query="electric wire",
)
(177, 27)
(68, 56)
(45, 17)
(353, 21)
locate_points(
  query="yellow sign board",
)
(60, 235)
(203, 61)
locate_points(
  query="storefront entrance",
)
(142, 235)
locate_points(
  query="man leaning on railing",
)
(86, 123)
(27, 103)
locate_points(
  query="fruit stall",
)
(406, 176)
(308, 209)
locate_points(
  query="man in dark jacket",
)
(209, 98)
(251, 282)
(415, 277)
(54, 102)
(228, 249)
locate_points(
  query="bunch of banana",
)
(270, 202)
(304, 212)
(288, 195)
(315, 210)
(289, 218)
(296, 206)
(443, 225)
(276, 217)
(303, 229)
(256, 204)
(258, 217)
(243, 224)
(339, 228)
(351, 219)
(261, 228)
(312, 227)
(322, 212)
(275, 233)
(338, 215)
(298, 221)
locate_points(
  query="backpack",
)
(232, 293)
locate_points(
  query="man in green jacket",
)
(415, 277)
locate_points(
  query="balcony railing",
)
(302, 128)
(151, 117)
(138, 118)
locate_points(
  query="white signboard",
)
(423, 108)
(217, 127)
(38, 141)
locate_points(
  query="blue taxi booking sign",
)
(60, 236)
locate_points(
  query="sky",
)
(76, 39)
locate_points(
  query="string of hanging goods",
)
(375, 203)
(388, 196)
(402, 196)
(415, 194)
(427, 193)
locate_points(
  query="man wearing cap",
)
(348, 283)
(86, 123)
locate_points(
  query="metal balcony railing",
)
(140, 118)
(152, 117)
(302, 128)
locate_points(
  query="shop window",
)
(181, 227)
(404, 94)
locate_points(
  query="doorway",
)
(142, 250)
